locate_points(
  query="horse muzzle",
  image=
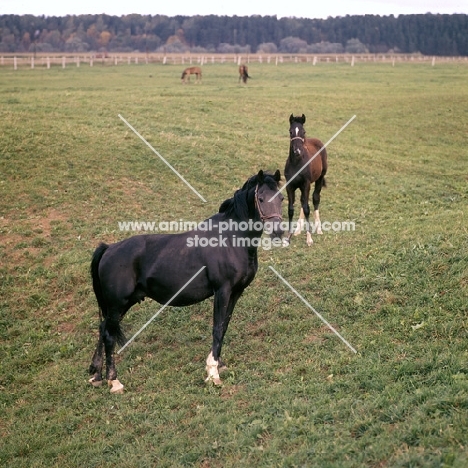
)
(273, 228)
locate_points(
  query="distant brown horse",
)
(300, 174)
(192, 71)
(243, 73)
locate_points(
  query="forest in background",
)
(428, 34)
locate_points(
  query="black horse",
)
(306, 163)
(160, 265)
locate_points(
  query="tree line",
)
(428, 34)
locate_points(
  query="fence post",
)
(63, 62)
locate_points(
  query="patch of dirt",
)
(37, 231)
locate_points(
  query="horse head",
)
(297, 134)
(268, 200)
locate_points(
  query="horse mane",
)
(238, 206)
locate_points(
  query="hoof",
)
(116, 386)
(215, 380)
(94, 382)
(222, 366)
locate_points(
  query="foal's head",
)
(297, 134)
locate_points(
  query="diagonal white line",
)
(313, 157)
(313, 310)
(166, 162)
(161, 309)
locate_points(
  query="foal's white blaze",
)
(212, 369)
(297, 131)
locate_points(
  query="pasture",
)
(293, 394)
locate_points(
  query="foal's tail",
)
(98, 253)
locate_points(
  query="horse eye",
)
(260, 199)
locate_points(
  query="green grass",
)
(293, 395)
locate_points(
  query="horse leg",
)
(316, 201)
(112, 333)
(300, 223)
(224, 304)
(95, 369)
(291, 198)
(306, 209)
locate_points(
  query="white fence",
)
(77, 60)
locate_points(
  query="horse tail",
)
(98, 253)
(109, 322)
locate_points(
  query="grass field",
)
(293, 395)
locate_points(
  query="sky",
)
(280, 8)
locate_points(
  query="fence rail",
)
(16, 61)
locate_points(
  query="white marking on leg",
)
(212, 370)
(94, 382)
(300, 223)
(318, 223)
(116, 386)
(310, 241)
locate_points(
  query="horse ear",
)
(303, 119)
(291, 118)
(277, 175)
(260, 177)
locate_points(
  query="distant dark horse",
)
(243, 73)
(161, 265)
(301, 150)
(192, 71)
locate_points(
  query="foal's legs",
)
(291, 199)
(316, 201)
(306, 210)
(224, 304)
